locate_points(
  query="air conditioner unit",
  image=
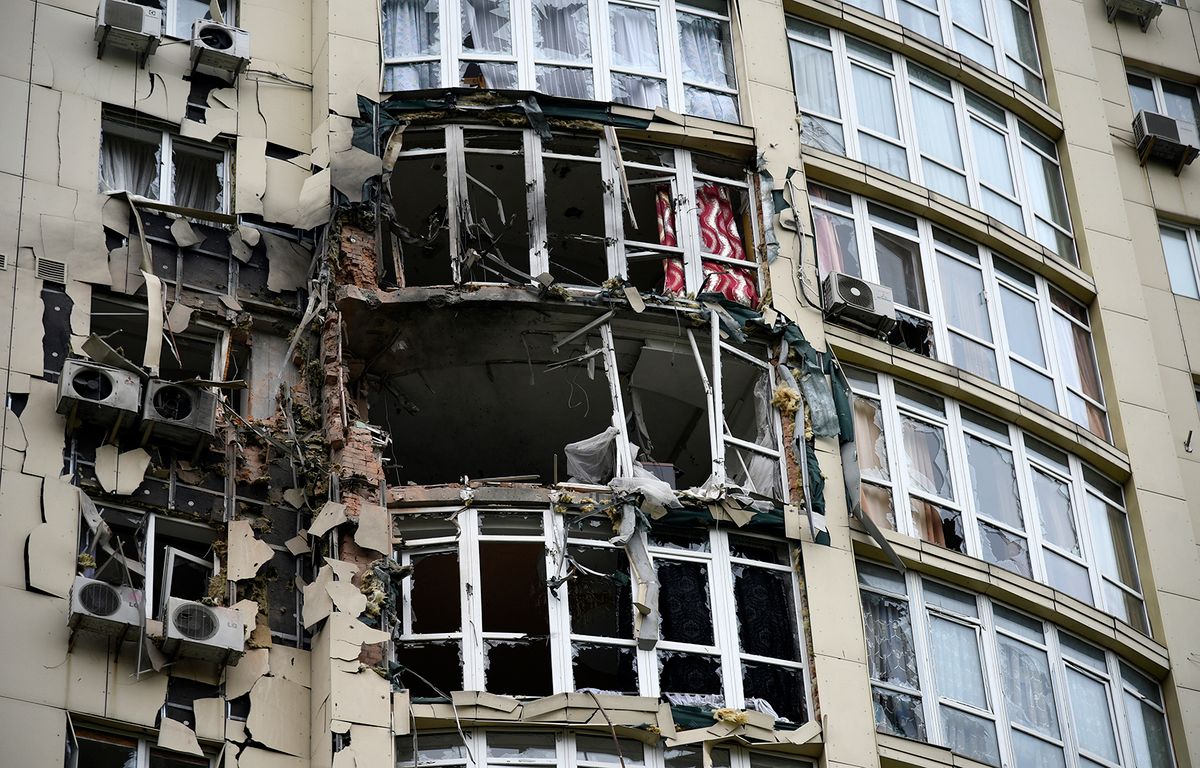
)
(128, 27)
(1144, 10)
(219, 50)
(1160, 137)
(179, 412)
(197, 631)
(98, 394)
(852, 300)
(104, 609)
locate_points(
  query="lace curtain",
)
(129, 165)
(197, 181)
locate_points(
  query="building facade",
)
(845, 414)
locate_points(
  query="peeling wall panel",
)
(20, 514)
(41, 150)
(250, 176)
(279, 713)
(284, 31)
(44, 431)
(27, 326)
(51, 550)
(134, 700)
(281, 196)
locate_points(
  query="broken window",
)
(95, 748)
(124, 327)
(1017, 484)
(181, 14)
(657, 56)
(1058, 692)
(568, 214)
(157, 164)
(964, 304)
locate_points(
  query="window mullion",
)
(451, 31)
(999, 323)
(472, 611)
(672, 56)
(522, 42)
(1032, 511)
(933, 289)
(456, 194)
(923, 647)
(1079, 497)
(613, 197)
(535, 201)
(1054, 360)
(994, 683)
(601, 53)
(724, 614)
(897, 460)
(905, 119)
(554, 526)
(960, 469)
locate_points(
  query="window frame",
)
(685, 177)
(1060, 663)
(555, 530)
(142, 746)
(995, 272)
(171, 9)
(1156, 84)
(166, 158)
(970, 109)
(1192, 241)
(525, 57)
(1025, 464)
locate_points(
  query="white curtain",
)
(704, 46)
(816, 86)
(197, 181)
(486, 26)
(410, 28)
(562, 30)
(1027, 690)
(129, 165)
(570, 82)
(876, 104)
(958, 670)
(645, 92)
(634, 37)
(937, 130)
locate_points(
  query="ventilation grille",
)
(195, 622)
(54, 271)
(99, 599)
(3, 261)
(124, 15)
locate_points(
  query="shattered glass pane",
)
(876, 502)
(435, 593)
(689, 673)
(600, 749)
(899, 714)
(605, 667)
(762, 550)
(680, 538)
(684, 602)
(994, 483)
(600, 598)
(781, 687)
(950, 599)
(1006, 550)
(486, 74)
(871, 441)
(959, 670)
(925, 457)
(890, 652)
(753, 471)
(970, 736)
(428, 748)
(938, 525)
(878, 577)
(1027, 687)
(1054, 508)
(518, 523)
(577, 237)
(435, 664)
(496, 219)
(766, 613)
(1032, 752)
(513, 587)
(521, 746)
(486, 27)
(163, 759)
(419, 195)
(519, 667)
(693, 757)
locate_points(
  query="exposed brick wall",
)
(358, 457)
(358, 258)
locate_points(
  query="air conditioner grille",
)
(54, 271)
(195, 622)
(92, 384)
(855, 293)
(123, 16)
(216, 37)
(99, 599)
(173, 403)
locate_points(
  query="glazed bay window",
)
(870, 104)
(687, 226)
(729, 607)
(960, 479)
(997, 686)
(1180, 250)
(1151, 93)
(156, 164)
(644, 54)
(989, 316)
(997, 34)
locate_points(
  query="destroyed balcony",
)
(570, 214)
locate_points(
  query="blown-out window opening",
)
(1001, 687)
(528, 602)
(517, 206)
(643, 54)
(155, 163)
(988, 316)
(878, 107)
(955, 477)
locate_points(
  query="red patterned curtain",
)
(720, 236)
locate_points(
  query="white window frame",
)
(525, 57)
(172, 9)
(1156, 85)
(968, 107)
(992, 9)
(994, 279)
(1059, 662)
(958, 462)
(166, 159)
(718, 561)
(684, 176)
(143, 747)
(1193, 246)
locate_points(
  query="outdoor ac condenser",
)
(129, 27)
(197, 631)
(219, 50)
(847, 298)
(101, 608)
(98, 394)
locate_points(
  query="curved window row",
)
(997, 34)
(957, 669)
(862, 101)
(957, 478)
(644, 53)
(571, 749)
(552, 609)
(579, 207)
(989, 316)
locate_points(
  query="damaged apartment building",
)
(588, 383)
